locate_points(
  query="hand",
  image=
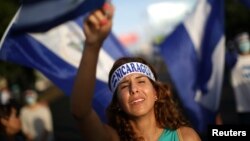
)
(98, 25)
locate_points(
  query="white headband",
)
(127, 69)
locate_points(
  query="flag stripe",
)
(55, 55)
(181, 59)
(30, 18)
(211, 99)
(39, 57)
(194, 55)
(213, 33)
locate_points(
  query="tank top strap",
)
(169, 135)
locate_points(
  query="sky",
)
(145, 19)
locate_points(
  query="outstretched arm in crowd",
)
(96, 28)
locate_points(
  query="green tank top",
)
(169, 135)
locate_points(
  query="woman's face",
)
(136, 95)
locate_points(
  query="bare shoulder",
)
(188, 134)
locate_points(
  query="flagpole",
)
(8, 28)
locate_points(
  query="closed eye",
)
(124, 86)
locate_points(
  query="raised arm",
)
(96, 28)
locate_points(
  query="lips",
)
(135, 101)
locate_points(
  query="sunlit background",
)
(138, 24)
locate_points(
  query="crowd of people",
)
(30, 121)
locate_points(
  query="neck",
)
(33, 106)
(147, 128)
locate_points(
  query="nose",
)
(133, 88)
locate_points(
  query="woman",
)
(142, 108)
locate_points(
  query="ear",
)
(156, 98)
(155, 95)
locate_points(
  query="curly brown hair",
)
(167, 111)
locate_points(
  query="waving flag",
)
(57, 52)
(41, 15)
(194, 55)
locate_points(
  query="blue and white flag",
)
(57, 52)
(41, 15)
(194, 55)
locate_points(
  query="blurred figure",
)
(240, 78)
(36, 119)
(218, 119)
(10, 124)
(5, 96)
(4, 91)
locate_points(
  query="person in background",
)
(36, 119)
(240, 78)
(10, 124)
(142, 108)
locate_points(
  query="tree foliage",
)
(237, 18)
